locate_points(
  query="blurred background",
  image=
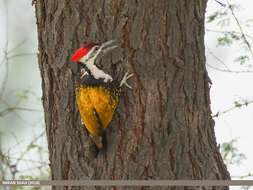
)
(23, 145)
(228, 39)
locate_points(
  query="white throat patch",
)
(96, 72)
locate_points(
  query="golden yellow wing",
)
(93, 101)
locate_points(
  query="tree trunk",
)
(163, 128)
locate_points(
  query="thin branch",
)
(32, 168)
(20, 117)
(5, 53)
(22, 54)
(232, 108)
(217, 58)
(5, 162)
(7, 26)
(243, 176)
(16, 105)
(26, 109)
(29, 160)
(240, 27)
(28, 147)
(10, 109)
(227, 68)
(228, 71)
(6, 61)
(4, 83)
(2, 61)
(17, 46)
(227, 31)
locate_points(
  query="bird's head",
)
(88, 53)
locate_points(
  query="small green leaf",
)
(242, 59)
(225, 40)
(216, 15)
(22, 96)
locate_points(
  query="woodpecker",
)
(97, 92)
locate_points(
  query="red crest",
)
(82, 51)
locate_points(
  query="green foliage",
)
(245, 187)
(34, 146)
(222, 18)
(15, 159)
(231, 154)
(238, 104)
(242, 59)
(242, 102)
(228, 38)
(28, 177)
(10, 164)
(23, 94)
(216, 16)
(224, 40)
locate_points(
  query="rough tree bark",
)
(163, 128)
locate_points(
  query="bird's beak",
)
(108, 46)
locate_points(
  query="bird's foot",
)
(125, 78)
(83, 72)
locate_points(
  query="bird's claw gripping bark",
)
(125, 78)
